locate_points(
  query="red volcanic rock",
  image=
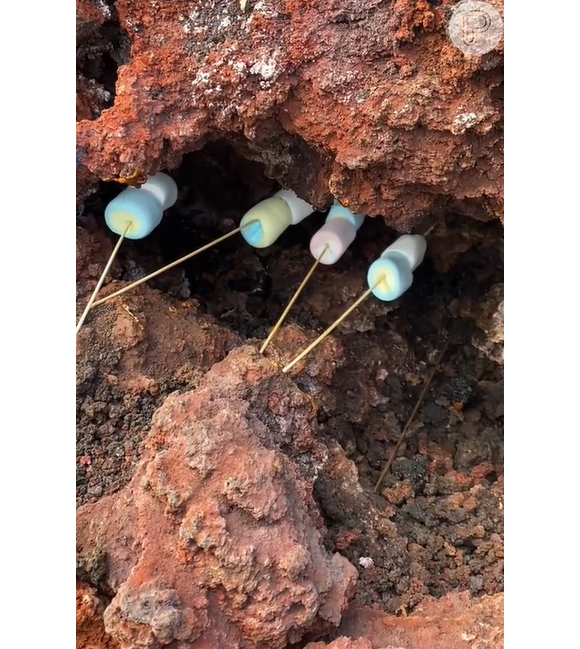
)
(455, 621)
(365, 100)
(91, 14)
(91, 96)
(217, 541)
(132, 352)
(89, 613)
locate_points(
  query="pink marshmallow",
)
(338, 234)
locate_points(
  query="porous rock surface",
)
(217, 540)
(455, 621)
(364, 100)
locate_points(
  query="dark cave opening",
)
(217, 185)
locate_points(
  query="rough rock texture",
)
(148, 339)
(92, 97)
(455, 621)
(91, 15)
(91, 632)
(131, 353)
(94, 23)
(217, 541)
(489, 317)
(365, 100)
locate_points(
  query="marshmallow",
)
(392, 273)
(338, 232)
(272, 217)
(141, 207)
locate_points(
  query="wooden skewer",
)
(91, 301)
(411, 417)
(292, 301)
(330, 329)
(190, 255)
